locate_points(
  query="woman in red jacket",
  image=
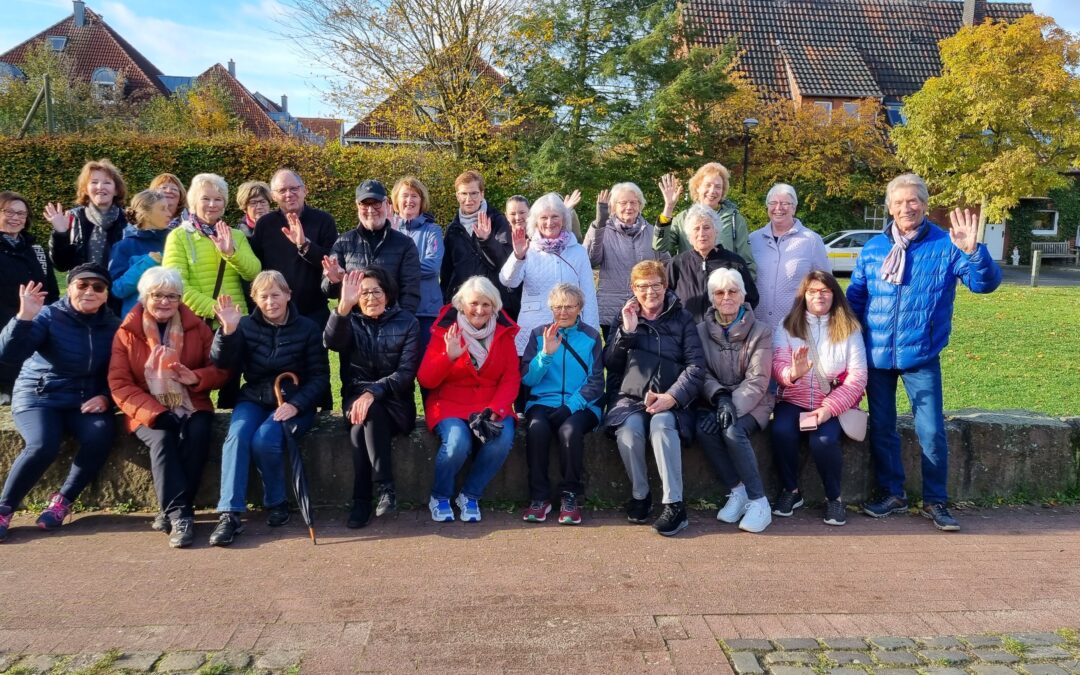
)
(160, 376)
(471, 372)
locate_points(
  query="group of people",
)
(696, 329)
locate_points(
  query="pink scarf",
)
(160, 377)
(892, 268)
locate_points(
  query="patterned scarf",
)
(632, 229)
(99, 236)
(556, 245)
(160, 377)
(892, 269)
(201, 227)
(469, 222)
(477, 340)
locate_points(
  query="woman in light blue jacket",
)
(411, 203)
(564, 371)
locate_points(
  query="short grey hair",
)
(481, 285)
(566, 290)
(200, 183)
(725, 277)
(549, 202)
(908, 180)
(625, 187)
(288, 171)
(160, 279)
(695, 213)
(782, 189)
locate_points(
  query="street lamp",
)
(748, 125)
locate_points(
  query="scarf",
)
(12, 239)
(247, 226)
(555, 246)
(469, 222)
(726, 326)
(99, 235)
(892, 269)
(477, 340)
(632, 229)
(201, 227)
(160, 377)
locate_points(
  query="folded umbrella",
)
(299, 478)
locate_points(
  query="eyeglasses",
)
(98, 286)
(726, 291)
(564, 308)
(375, 293)
(819, 291)
(259, 201)
(780, 205)
(627, 202)
(289, 189)
(370, 206)
(645, 288)
(165, 297)
(469, 195)
(15, 214)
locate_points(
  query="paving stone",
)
(995, 656)
(897, 658)
(789, 657)
(1043, 669)
(940, 643)
(992, 669)
(983, 641)
(797, 643)
(1071, 666)
(6, 661)
(791, 670)
(1038, 639)
(844, 643)
(36, 664)
(847, 671)
(749, 645)
(945, 656)
(181, 662)
(938, 670)
(1039, 653)
(277, 660)
(891, 643)
(848, 657)
(81, 663)
(745, 662)
(895, 671)
(232, 659)
(137, 661)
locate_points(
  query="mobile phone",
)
(807, 421)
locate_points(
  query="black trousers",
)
(570, 437)
(177, 461)
(371, 443)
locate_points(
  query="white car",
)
(843, 247)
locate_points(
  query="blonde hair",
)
(416, 186)
(706, 171)
(199, 184)
(478, 284)
(82, 183)
(141, 205)
(566, 290)
(268, 278)
(249, 190)
(842, 320)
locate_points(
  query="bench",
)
(1056, 249)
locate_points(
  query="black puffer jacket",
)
(389, 249)
(262, 351)
(674, 336)
(689, 273)
(20, 263)
(466, 256)
(378, 356)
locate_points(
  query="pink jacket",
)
(836, 359)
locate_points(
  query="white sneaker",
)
(469, 507)
(440, 510)
(758, 516)
(735, 507)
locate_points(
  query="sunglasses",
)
(98, 286)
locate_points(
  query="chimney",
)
(284, 103)
(232, 67)
(974, 12)
(80, 13)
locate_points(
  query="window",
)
(1045, 223)
(875, 216)
(103, 84)
(57, 42)
(827, 107)
(895, 113)
(851, 110)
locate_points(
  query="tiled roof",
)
(251, 113)
(858, 46)
(330, 129)
(95, 45)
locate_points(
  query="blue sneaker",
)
(885, 506)
(470, 509)
(440, 510)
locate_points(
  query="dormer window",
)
(57, 42)
(103, 84)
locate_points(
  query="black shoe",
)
(181, 532)
(278, 515)
(161, 523)
(885, 506)
(637, 510)
(672, 519)
(360, 515)
(943, 520)
(228, 527)
(835, 512)
(387, 500)
(786, 503)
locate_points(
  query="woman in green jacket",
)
(212, 257)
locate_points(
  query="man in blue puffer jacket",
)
(902, 290)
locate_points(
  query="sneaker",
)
(54, 514)
(537, 512)
(569, 511)
(161, 523)
(440, 510)
(885, 506)
(181, 532)
(735, 506)
(672, 519)
(229, 525)
(943, 520)
(387, 500)
(469, 507)
(758, 516)
(278, 515)
(786, 503)
(5, 524)
(835, 512)
(637, 510)
(360, 515)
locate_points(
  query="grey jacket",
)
(614, 252)
(738, 362)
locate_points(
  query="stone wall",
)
(993, 454)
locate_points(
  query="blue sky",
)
(211, 31)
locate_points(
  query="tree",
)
(204, 109)
(74, 107)
(1001, 121)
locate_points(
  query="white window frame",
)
(852, 110)
(827, 107)
(103, 89)
(875, 215)
(55, 40)
(1047, 232)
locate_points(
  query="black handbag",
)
(647, 371)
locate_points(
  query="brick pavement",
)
(408, 594)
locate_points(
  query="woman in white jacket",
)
(546, 253)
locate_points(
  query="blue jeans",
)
(923, 385)
(825, 448)
(254, 434)
(457, 443)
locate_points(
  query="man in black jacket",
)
(477, 243)
(293, 240)
(375, 242)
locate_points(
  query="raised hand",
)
(573, 199)
(671, 188)
(358, 411)
(285, 411)
(350, 292)
(520, 240)
(630, 315)
(184, 375)
(800, 362)
(332, 269)
(552, 339)
(964, 230)
(602, 207)
(31, 300)
(222, 238)
(295, 231)
(455, 345)
(483, 226)
(228, 314)
(97, 404)
(54, 213)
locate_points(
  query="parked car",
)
(843, 247)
